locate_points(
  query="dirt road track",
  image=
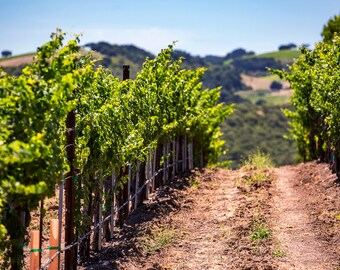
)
(211, 225)
(292, 221)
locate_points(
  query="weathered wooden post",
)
(100, 210)
(191, 156)
(35, 250)
(112, 219)
(126, 188)
(60, 212)
(54, 243)
(136, 187)
(70, 261)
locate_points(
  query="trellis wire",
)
(110, 217)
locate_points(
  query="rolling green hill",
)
(262, 126)
(285, 56)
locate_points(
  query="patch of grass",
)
(338, 217)
(258, 160)
(159, 238)
(278, 252)
(260, 232)
(276, 100)
(194, 182)
(259, 229)
(332, 216)
(271, 78)
(257, 177)
(221, 164)
(285, 56)
(266, 96)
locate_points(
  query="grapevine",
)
(117, 124)
(315, 79)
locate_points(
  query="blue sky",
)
(201, 27)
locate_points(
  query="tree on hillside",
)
(237, 53)
(289, 46)
(332, 27)
(275, 85)
(6, 53)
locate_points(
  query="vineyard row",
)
(66, 114)
(314, 119)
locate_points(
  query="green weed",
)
(278, 252)
(257, 177)
(159, 238)
(194, 183)
(338, 217)
(258, 160)
(260, 232)
(259, 229)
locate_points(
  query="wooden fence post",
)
(191, 156)
(167, 176)
(148, 176)
(60, 212)
(100, 210)
(164, 164)
(173, 158)
(41, 224)
(54, 243)
(70, 262)
(185, 153)
(35, 250)
(154, 169)
(136, 187)
(142, 179)
(176, 154)
(112, 219)
(129, 189)
(126, 188)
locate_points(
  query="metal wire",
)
(80, 239)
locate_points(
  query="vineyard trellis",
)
(148, 185)
(315, 80)
(64, 114)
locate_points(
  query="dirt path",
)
(292, 225)
(201, 227)
(219, 220)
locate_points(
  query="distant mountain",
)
(222, 71)
(217, 74)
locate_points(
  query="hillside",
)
(263, 126)
(285, 56)
(18, 60)
(223, 71)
